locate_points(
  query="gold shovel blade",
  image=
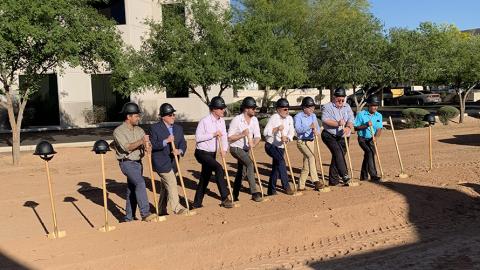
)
(324, 190)
(61, 234)
(353, 184)
(190, 213)
(160, 219)
(106, 228)
(298, 193)
(403, 175)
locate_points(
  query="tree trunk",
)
(16, 146)
(265, 99)
(462, 106)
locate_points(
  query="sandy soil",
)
(427, 221)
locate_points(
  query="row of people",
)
(166, 139)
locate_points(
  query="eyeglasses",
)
(171, 115)
(284, 109)
(340, 100)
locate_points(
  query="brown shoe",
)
(289, 191)
(319, 185)
(150, 218)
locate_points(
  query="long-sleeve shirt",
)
(276, 138)
(332, 112)
(362, 119)
(238, 125)
(303, 124)
(204, 135)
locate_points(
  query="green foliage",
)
(234, 108)
(267, 35)
(346, 45)
(95, 115)
(447, 113)
(197, 52)
(414, 117)
(263, 122)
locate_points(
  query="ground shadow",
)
(95, 195)
(467, 139)
(120, 189)
(72, 200)
(33, 205)
(435, 212)
(196, 175)
(8, 263)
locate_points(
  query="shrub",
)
(263, 122)
(447, 113)
(95, 115)
(414, 117)
(234, 108)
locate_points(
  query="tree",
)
(191, 50)
(346, 46)
(267, 36)
(38, 37)
(454, 59)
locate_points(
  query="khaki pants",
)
(307, 148)
(169, 193)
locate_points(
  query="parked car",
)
(419, 98)
(387, 95)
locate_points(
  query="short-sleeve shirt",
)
(362, 119)
(124, 135)
(332, 112)
(238, 125)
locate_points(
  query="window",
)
(173, 12)
(42, 108)
(112, 9)
(104, 96)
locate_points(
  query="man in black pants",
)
(337, 119)
(366, 122)
(211, 131)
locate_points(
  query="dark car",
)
(419, 98)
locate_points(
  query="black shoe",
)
(346, 180)
(195, 206)
(376, 179)
(363, 178)
(235, 199)
(257, 197)
(227, 203)
(271, 192)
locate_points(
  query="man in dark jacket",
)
(162, 135)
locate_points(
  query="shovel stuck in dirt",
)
(180, 176)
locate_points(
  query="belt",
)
(306, 140)
(127, 159)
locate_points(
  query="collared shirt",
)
(238, 125)
(276, 138)
(124, 135)
(362, 119)
(303, 124)
(205, 130)
(170, 130)
(332, 112)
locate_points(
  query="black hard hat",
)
(130, 108)
(44, 149)
(430, 118)
(248, 102)
(217, 103)
(373, 100)
(282, 103)
(100, 147)
(166, 109)
(308, 102)
(340, 92)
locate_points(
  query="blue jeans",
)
(136, 190)
(279, 169)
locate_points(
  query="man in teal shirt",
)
(369, 125)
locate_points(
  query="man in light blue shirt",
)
(307, 127)
(369, 125)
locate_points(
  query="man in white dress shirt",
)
(243, 135)
(277, 132)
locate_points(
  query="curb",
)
(25, 148)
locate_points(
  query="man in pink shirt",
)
(210, 132)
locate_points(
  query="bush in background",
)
(414, 117)
(234, 108)
(447, 113)
(95, 115)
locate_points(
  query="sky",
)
(465, 14)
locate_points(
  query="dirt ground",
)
(427, 221)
